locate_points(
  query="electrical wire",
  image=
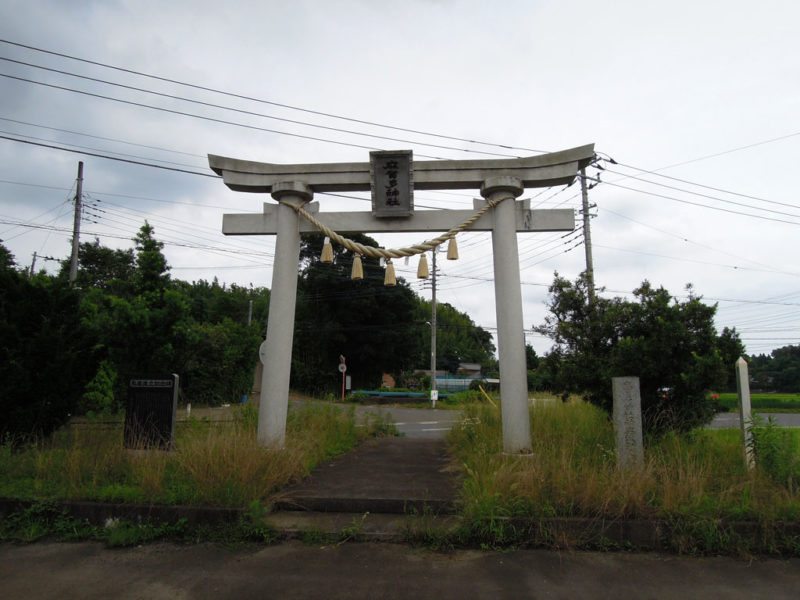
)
(241, 111)
(261, 101)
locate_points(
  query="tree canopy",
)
(777, 372)
(378, 329)
(671, 345)
(75, 347)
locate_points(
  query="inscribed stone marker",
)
(628, 422)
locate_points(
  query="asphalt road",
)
(89, 571)
(435, 423)
(423, 422)
(728, 420)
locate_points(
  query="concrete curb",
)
(640, 534)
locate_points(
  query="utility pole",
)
(33, 264)
(76, 226)
(434, 391)
(250, 313)
(587, 236)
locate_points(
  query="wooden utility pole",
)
(587, 235)
(434, 391)
(76, 226)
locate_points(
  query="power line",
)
(100, 137)
(735, 212)
(268, 102)
(242, 111)
(188, 114)
(708, 187)
(700, 262)
(778, 212)
(97, 155)
(687, 240)
(30, 137)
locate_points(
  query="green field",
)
(763, 402)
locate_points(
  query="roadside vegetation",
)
(218, 464)
(694, 483)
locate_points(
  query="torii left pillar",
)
(280, 323)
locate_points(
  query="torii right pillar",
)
(508, 307)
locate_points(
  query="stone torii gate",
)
(499, 182)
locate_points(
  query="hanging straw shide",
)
(452, 249)
(422, 269)
(327, 251)
(358, 270)
(389, 279)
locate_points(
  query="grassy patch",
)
(212, 463)
(763, 402)
(694, 483)
(48, 520)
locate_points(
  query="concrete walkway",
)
(392, 475)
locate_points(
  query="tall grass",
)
(211, 463)
(573, 473)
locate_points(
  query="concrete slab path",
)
(394, 475)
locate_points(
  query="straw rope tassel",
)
(452, 249)
(327, 251)
(358, 270)
(389, 279)
(422, 269)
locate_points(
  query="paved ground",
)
(391, 475)
(369, 570)
(728, 420)
(419, 422)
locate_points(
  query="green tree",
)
(46, 358)
(370, 324)
(103, 268)
(671, 345)
(778, 372)
(152, 270)
(221, 360)
(458, 338)
(7, 260)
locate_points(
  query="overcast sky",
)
(697, 101)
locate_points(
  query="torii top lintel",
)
(545, 170)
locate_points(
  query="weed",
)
(43, 519)
(352, 531)
(315, 537)
(212, 463)
(253, 525)
(427, 530)
(776, 453)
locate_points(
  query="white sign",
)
(434, 395)
(342, 368)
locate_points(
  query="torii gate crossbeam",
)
(294, 186)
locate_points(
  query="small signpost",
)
(745, 412)
(342, 370)
(150, 411)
